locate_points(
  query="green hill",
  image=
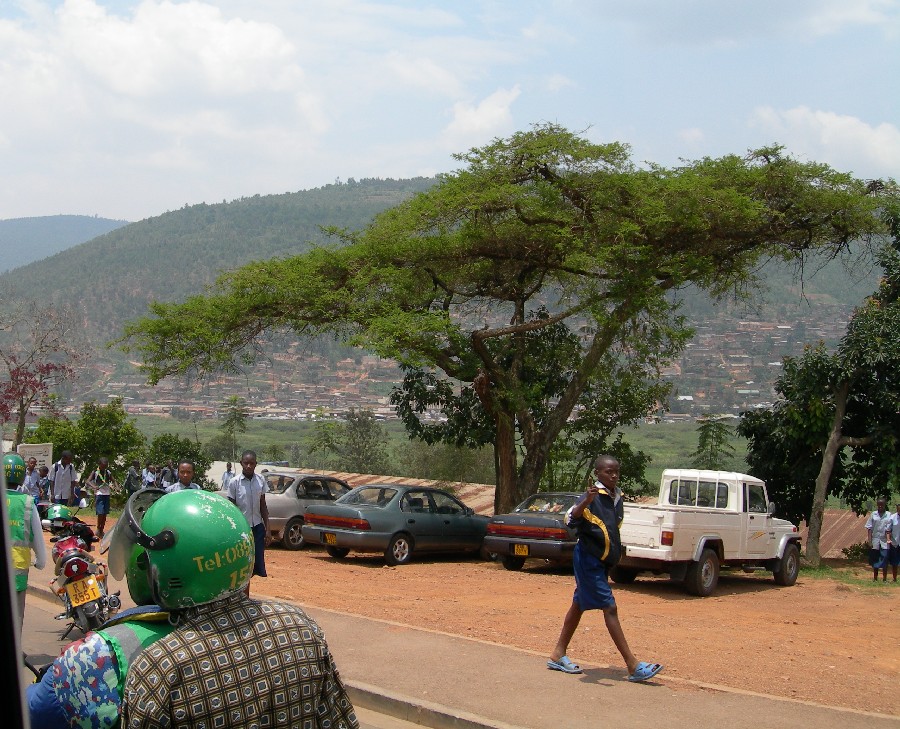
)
(24, 240)
(173, 255)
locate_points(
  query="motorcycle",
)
(80, 580)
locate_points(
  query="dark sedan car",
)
(536, 528)
(396, 519)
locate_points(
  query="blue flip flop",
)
(565, 665)
(645, 671)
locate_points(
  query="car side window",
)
(706, 493)
(415, 502)
(446, 504)
(315, 489)
(755, 501)
(336, 489)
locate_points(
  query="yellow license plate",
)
(520, 550)
(83, 591)
(330, 538)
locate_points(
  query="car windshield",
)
(547, 503)
(369, 495)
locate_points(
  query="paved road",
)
(450, 682)
(41, 643)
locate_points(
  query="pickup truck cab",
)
(703, 521)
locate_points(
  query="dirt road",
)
(822, 640)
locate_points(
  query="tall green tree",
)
(836, 427)
(358, 445)
(234, 421)
(99, 431)
(714, 448)
(453, 278)
(169, 446)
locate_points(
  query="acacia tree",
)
(39, 350)
(836, 426)
(452, 278)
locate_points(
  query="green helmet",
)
(14, 467)
(59, 511)
(199, 545)
(138, 578)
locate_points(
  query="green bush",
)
(857, 552)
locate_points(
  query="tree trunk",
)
(835, 442)
(506, 493)
(20, 427)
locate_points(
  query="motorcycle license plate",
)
(520, 550)
(83, 591)
(330, 538)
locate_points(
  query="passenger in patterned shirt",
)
(83, 687)
(231, 661)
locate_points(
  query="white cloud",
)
(718, 23)
(692, 136)
(165, 45)
(846, 142)
(474, 124)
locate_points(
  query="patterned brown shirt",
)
(238, 663)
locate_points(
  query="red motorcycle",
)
(80, 581)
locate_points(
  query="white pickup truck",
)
(702, 521)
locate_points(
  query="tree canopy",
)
(454, 278)
(836, 426)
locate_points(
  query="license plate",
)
(331, 539)
(83, 591)
(520, 550)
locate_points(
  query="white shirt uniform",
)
(880, 524)
(245, 493)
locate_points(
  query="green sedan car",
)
(397, 520)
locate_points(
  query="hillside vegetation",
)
(173, 255)
(24, 240)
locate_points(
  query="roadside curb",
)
(414, 711)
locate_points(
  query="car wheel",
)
(703, 575)
(293, 534)
(513, 564)
(337, 552)
(399, 550)
(788, 567)
(622, 575)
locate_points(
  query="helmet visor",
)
(127, 532)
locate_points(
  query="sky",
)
(128, 109)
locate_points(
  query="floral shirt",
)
(238, 662)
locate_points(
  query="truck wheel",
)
(622, 575)
(703, 575)
(513, 564)
(788, 567)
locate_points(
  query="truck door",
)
(758, 532)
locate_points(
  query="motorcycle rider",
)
(83, 687)
(25, 531)
(199, 549)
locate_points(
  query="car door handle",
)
(410, 521)
(446, 521)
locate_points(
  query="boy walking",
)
(596, 518)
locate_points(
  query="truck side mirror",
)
(771, 508)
